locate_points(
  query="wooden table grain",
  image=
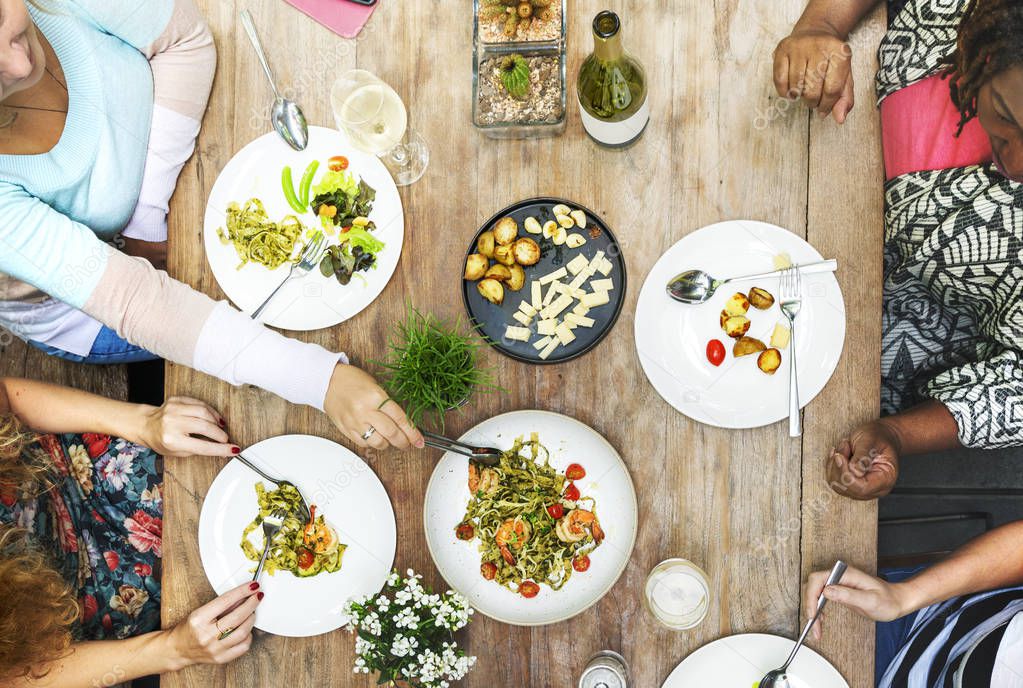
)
(752, 507)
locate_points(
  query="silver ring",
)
(369, 433)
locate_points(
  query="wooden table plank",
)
(846, 221)
(706, 494)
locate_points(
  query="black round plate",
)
(491, 320)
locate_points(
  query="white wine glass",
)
(373, 116)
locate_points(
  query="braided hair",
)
(990, 41)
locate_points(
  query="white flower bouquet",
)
(405, 634)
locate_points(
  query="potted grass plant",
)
(432, 366)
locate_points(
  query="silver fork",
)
(791, 302)
(309, 259)
(271, 526)
(303, 508)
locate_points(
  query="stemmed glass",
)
(373, 116)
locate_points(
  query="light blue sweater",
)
(57, 208)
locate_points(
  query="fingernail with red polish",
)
(223, 423)
(236, 450)
(253, 586)
(259, 596)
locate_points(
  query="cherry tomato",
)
(581, 563)
(465, 531)
(529, 589)
(337, 163)
(488, 570)
(572, 493)
(556, 511)
(305, 559)
(715, 352)
(575, 472)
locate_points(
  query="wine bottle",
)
(612, 88)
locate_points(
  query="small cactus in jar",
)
(515, 15)
(515, 75)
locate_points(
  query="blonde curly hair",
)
(37, 607)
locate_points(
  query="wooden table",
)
(751, 506)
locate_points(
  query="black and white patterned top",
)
(953, 289)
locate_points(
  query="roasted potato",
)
(760, 298)
(517, 279)
(780, 337)
(736, 325)
(744, 346)
(526, 252)
(724, 316)
(491, 290)
(769, 360)
(737, 304)
(505, 231)
(503, 255)
(485, 244)
(498, 272)
(475, 266)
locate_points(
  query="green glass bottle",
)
(612, 88)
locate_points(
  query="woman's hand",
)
(197, 639)
(356, 403)
(865, 465)
(866, 595)
(815, 64)
(178, 428)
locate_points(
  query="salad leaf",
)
(339, 180)
(358, 236)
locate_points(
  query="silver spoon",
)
(285, 116)
(777, 677)
(696, 286)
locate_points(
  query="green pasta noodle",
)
(257, 239)
(289, 542)
(526, 485)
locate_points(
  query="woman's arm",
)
(195, 640)
(992, 561)
(814, 63)
(175, 429)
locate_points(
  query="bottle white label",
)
(616, 133)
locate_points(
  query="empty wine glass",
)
(373, 116)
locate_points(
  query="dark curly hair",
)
(990, 41)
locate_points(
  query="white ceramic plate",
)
(739, 661)
(344, 489)
(671, 337)
(314, 301)
(607, 480)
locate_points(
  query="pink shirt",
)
(918, 126)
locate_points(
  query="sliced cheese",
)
(580, 320)
(546, 327)
(564, 333)
(523, 318)
(541, 344)
(552, 291)
(595, 262)
(605, 267)
(519, 334)
(536, 290)
(581, 309)
(556, 275)
(527, 308)
(554, 344)
(602, 284)
(577, 264)
(578, 281)
(559, 304)
(597, 298)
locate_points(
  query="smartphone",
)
(364, 2)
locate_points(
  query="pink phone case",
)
(340, 16)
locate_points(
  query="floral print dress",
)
(102, 523)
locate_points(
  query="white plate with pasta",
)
(314, 301)
(571, 547)
(345, 491)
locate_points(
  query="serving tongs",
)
(486, 456)
(303, 508)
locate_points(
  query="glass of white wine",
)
(373, 116)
